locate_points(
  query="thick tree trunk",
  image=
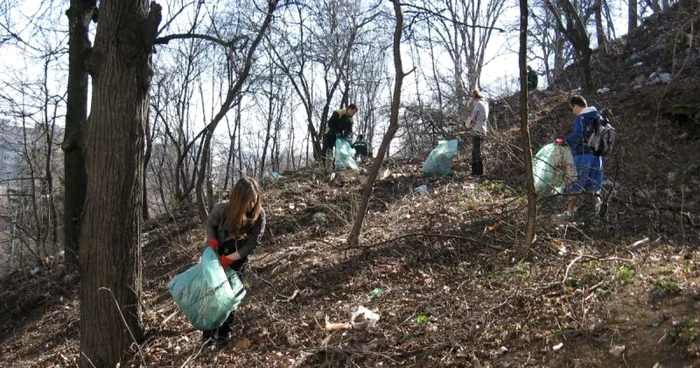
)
(79, 18)
(354, 237)
(146, 161)
(110, 251)
(525, 130)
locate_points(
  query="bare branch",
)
(184, 36)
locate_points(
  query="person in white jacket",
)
(478, 124)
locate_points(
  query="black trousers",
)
(328, 143)
(225, 329)
(477, 159)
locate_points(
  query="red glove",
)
(225, 261)
(559, 141)
(214, 244)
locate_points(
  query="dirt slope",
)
(446, 271)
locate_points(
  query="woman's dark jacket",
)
(217, 227)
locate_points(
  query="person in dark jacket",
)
(234, 229)
(340, 123)
(589, 166)
(360, 147)
(531, 79)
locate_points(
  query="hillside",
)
(446, 271)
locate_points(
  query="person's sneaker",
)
(601, 209)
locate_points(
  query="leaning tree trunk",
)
(79, 18)
(110, 252)
(391, 130)
(525, 130)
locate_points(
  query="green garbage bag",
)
(206, 293)
(553, 169)
(440, 159)
(344, 155)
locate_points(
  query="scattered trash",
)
(337, 326)
(386, 174)
(275, 175)
(502, 350)
(603, 90)
(659, 77)
(423, 189)
(638, 86)
(558, 346)
(35, 271)
(634, 57)
(363, 318)
(657, 365)
(617, 350)
(638, 64)
(375, 293)
(319, 217)
(684, 135)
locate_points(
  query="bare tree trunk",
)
(525, 130)
(110, 251)
(79, 18)
(575, 32)
(391, 129)
(599, 30)
(632, 16)
(146, 160)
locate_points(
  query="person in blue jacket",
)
(589, 166)
(234, 229)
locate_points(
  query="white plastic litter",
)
(423, 189)
(363, 318)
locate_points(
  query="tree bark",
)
(79, 17)
(575, 32)
(110, 251)
(632, 16)
(525, 130)
(391, 129)
(599, 29)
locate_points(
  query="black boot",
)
(209, 338)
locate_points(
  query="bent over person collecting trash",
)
(234, 229)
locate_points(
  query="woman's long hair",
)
(243, 192)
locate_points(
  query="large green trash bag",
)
(553, 169)
(344, 155)
(206, 293)
(440, 159)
